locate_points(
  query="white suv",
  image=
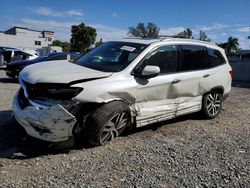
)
(119, 84)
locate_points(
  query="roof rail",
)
(158, 37)
(143, 38)
(170, 36)
(163, 37)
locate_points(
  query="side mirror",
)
(150, 71)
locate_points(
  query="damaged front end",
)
(47, 111)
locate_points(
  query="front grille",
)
(41, 91)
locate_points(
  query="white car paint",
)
(58, 72)
(150, 101)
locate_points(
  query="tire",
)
(211, 104)
(12, 76)
(107, 122)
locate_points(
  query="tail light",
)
(231, 73)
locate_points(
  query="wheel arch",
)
(220, 89)
(90, 107)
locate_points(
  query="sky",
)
(220, 19)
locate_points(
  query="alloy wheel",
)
(114, 127)
(213, 103)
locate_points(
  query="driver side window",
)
(165, 57)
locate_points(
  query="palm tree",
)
(232, 45)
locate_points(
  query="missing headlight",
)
(52, 91)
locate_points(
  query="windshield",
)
(111, 56)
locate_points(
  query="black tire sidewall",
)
(97, 120)
(205, 112)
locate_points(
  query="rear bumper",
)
(225, 96)
(54, 124)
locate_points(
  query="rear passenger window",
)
(165, 57)
(193, 57)
(215, 58)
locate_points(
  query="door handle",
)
(206, 75)
(175, 81)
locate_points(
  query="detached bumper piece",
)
(53, 124)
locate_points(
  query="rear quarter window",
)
(215, 58)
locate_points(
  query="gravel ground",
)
(185, 152)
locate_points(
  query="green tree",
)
(203, 36)
(65, 45)
(57, 43)
(141, 30)
(98, 43)
(231, 46)
(187, 33)
(82, 37)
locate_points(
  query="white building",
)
(26, 39)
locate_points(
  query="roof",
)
(149, 41)
(168, 39)
(18, 27)
(139, 40)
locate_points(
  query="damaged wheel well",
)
(83, 115)
(219, 89)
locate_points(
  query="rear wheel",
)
(211, 104)
(108, 122)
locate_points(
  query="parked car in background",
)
(131, 82)
(13, 68)
(12, 54)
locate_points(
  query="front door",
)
(155, 99)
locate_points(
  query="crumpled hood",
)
(59, 72)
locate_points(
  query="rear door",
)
(187, 87)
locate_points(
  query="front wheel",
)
(211, 104)
(107, 122)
